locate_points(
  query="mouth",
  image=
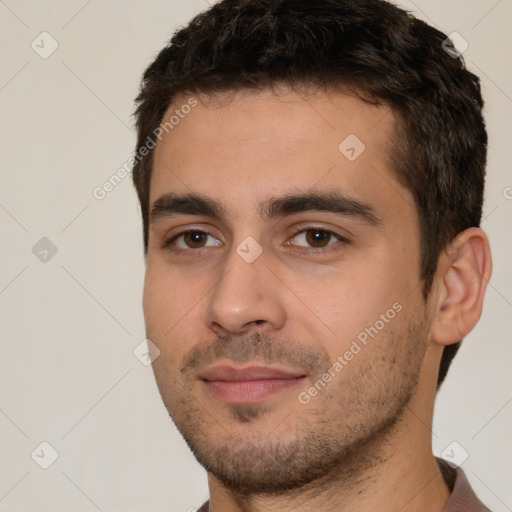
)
(249, 384)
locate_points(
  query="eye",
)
(193, 240)
(315, 238)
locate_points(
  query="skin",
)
(299, 306)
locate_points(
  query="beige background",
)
(70, 324)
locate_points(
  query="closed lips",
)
(237, 374)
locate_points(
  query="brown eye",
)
(318, 237)
(315, 238)
(195, 239)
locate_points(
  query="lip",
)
(249, 384)
(230, 373)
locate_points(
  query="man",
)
(311, 179)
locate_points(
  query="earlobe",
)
(464, 270)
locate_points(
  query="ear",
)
(463, 271)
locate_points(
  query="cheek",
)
(161, 306)
(167, 294)
(351, 295)
(173, 314)
(362, 297)
(154, 300)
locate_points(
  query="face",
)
(282, 284)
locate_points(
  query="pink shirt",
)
(463, 498)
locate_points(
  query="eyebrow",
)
(332, 202)
(190, 204)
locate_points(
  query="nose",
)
(246, 298)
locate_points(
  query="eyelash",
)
(316, 250)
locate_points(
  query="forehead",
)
(243, 147)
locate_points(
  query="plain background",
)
(71, 320)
